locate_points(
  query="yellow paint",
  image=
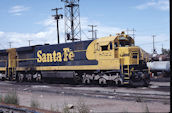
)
(66, 50)
(59, 57)
(55, 56)
(126, 53)
(49, 57)
(39, 59)
(12, 61)
(51, 68)
(2, 69)
(71, 55)
(79, 50)
(12, 58)
(26, 59)
(44, 57)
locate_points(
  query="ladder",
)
(126, 73)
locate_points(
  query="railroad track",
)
(129, 96)
(12, 109)
(138, 97)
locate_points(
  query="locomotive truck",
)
(107, 60)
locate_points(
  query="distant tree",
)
(165, 51)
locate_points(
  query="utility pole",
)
(92, 30)
(10, 44)
(162, 48)
(57, 17)
(72, 20)
(154, 50)
(95, 34)
(29, 42)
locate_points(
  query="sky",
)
(23, 20)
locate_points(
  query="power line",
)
(95, 34)
(150, 43)
(84, 34)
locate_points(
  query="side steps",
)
(126, 75)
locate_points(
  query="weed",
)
(82, 107)
(1, 98)
(57, 109)
(11, 98)
(138, 99)
(125, 110)
(52, 108)
(34, 103)
(146, 110)
(66, 109)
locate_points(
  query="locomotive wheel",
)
(76, 80)
(38, 78)
(102, 81)
(29, 77)
(146, 82)
(86, 80)
(120, 82)
(20, 77)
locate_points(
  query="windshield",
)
(124, 43)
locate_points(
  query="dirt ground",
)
(56, 101)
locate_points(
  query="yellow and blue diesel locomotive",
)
(107, 60)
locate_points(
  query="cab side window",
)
(104, 48)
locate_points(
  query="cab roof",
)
(107, 40)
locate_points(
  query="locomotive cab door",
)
(115, 49)
(12, 63)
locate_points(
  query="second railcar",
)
(3, 63)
